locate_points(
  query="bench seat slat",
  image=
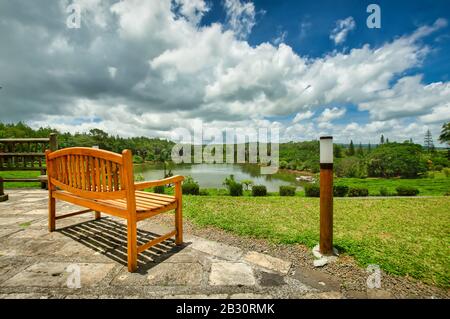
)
(142, 202)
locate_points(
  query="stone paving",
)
(38, 264)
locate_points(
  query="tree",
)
(396, 160)
(382, 139)
(337, 151)
(445, 134)
(360, 150)
(387, 140)
(369, 148)
(351, 149)
(351, 167)
(428, 142)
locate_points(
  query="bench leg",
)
(51, 213)
(98, 215)
(179, 224)
(132, 246)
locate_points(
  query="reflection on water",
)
(213, 175)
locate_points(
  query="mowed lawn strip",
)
(404, 236)
(437, 186)
(21, 174)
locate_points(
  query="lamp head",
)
(326, 150)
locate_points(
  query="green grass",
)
(404, 236)
(25, 225)
(21, 174)
(437, 186)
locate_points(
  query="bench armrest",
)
(165, 181)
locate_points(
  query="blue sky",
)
(318, 17)
(306, 68)
(306, 28)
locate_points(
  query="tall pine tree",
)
(351, 149)
(360, 150)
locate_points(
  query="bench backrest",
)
(25, 154)
(91, 173)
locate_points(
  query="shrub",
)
(247, 183)
(407, 191)
(259, 190)
(235, 189)
(287, 190)
(203, 192)
(283, 164)
(340, 190)
(312, 190)
(159, 189)
(358, 192)
(384, 191)
(446, 172)
(190, 187)
(438, 167)
(138, 159)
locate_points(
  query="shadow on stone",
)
(271, 280)
(109, 238)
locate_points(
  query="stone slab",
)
(269, 262)
(175, 274)
(164, 274)
(231, 274)
(268, 279)
(7, 231)
(316, 279)
(55, 275)
(216, 249)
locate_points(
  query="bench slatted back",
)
(88, 172)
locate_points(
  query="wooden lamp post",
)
(326, 195)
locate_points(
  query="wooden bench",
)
(25, 154)
(103, 181)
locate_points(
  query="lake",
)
(213, 175)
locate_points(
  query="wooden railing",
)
(25, 154)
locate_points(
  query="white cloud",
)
(438, 114)
(331, 114)
(343, 27)
(174, 72)
(408, 97)
(240, 17)
(302, 116)
(193, 10)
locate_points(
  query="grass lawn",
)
(405, 236)
(21, 174)
(439, 185)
